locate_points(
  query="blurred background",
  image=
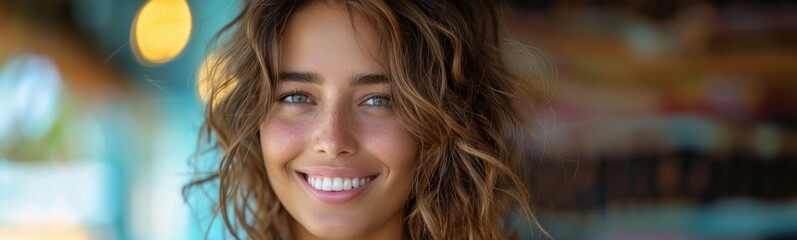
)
(667, 119)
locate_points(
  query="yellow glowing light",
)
(210, 80)
(161, 30)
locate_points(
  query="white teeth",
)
(327, 184)
(318, 183)
(347, 184)
(337, 184)
(324, 183)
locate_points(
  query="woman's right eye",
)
(296, 98)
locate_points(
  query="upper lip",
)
(336, 171)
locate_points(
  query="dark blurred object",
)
(669, 119)
(655, 9)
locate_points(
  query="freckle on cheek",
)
(284, 134)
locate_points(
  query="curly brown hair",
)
(451, 90)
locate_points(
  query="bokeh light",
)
(205, 80)
(161, 30)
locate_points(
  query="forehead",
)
(325, 36)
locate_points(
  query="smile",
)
(325, 183)
(335, 189)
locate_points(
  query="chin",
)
(335, 231)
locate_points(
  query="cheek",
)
(392, 144)
(281, 140)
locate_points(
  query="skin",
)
(338, 119)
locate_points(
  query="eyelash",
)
(290, 93)
(386, 98)
(283, 97)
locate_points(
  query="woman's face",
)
(336, 155)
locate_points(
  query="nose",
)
(334, 136)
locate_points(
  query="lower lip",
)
(336, 197)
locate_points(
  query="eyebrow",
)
(315, 78)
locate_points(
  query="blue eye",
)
(378, 101)
(294, 97)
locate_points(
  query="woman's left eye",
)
(378, 101)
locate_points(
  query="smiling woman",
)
(365, 120)
(332, 129)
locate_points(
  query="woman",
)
(365, 119)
